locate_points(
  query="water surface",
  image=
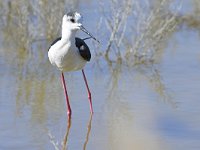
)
(148, 106)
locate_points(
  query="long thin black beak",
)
(84, 30)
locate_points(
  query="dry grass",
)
(138, 30)
(134, 32)
(24, 22)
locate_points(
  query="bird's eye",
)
(72, 20)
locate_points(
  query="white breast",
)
(66, 56)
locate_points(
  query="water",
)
(152, 106)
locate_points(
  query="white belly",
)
(66, 57)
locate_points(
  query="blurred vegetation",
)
(27, 27)
(132, 31)
(139, 30)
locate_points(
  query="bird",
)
(70, 53)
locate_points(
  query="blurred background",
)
(144, 76)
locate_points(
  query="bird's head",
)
(73, 21)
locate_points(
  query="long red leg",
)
(89, 93)
(66, 95)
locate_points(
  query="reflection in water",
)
(36, 100)
(66, 138)
(122, 109)
(88, 132)
(155, 80)
(66, 135)
(150, 72)
(115, 70)
(53, 141)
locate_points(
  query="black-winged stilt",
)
(69, 53)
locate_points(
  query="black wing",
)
(56, 40)
(83, 49)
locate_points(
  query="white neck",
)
(67, 35)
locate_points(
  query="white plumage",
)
(69, 53)
(64, 54)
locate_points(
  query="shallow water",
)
(143, 107)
